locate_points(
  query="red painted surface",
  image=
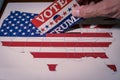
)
(68, 54)
(112, 67)
(80, 35)
(52, 67)
(56, 44)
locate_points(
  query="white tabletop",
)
(15, 65)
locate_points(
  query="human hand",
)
(107, 8)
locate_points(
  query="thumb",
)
(87, 11)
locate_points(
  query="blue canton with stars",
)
(18, 24)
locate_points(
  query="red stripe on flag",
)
(52, 67)
(68, 54)
(56, 44)
(80, 35)
(112, 67)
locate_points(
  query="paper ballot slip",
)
(56, 18)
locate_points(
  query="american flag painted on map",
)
(18, 24)
(18, 33)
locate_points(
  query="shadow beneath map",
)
(115, 23)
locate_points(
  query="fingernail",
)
(76, 12)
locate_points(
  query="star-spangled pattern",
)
(19, 24)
